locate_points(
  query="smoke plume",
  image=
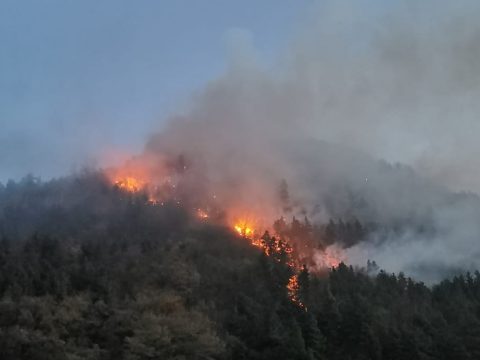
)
(357, 94)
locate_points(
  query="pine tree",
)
(304, 286)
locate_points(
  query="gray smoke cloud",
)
(355, 94)
(403, 87)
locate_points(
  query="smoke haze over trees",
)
(360, 141)
(358, 95)
(88, 271)
(359, 89)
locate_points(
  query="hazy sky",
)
(79, 79)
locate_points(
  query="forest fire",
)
(246, 229)
(145, 173)
(296, 239)
(281, 252)
(292, 243)
(243, 229)
(130, 184)
(293, 288)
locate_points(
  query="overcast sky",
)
(81, 79)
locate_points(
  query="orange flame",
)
(243, 229)
(156, 181)
(293, 288)
(130, 184)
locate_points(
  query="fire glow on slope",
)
(137, 178)
(130, 184)
(280, 251)
(272, 246)
(245, 229)
(248, 226)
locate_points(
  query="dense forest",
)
(88, 271)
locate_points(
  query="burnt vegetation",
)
(88, 271)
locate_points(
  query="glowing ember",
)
(202, 214)
(154, 201)
(293, 288)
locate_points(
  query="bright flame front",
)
(130, 184)
(243, 229)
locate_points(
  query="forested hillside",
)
(88, 271)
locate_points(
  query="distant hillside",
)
(88, 271)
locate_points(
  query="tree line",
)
(89, 272)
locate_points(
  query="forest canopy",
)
(88, 271)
